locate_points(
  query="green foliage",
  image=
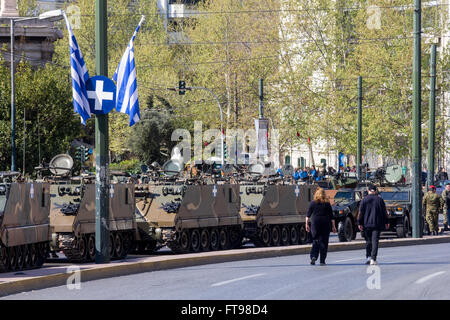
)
(130, 166)
(151, 137)
(27, 8)
(46, 96)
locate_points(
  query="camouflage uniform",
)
(433, 203)
(445, 194)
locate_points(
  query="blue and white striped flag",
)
(125, 77)
(80, 75)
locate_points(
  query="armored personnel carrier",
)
(186, 214)
(273, 209)
(24, 223)
(72, 214)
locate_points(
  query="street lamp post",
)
(221, 118)
(53, 15)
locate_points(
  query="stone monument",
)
(34, 38)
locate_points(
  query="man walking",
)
(372, 220)
(432, 203)
(446, 199)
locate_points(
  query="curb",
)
(148, 264)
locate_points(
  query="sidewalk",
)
(57, 274)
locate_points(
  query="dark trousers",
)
(372, 237)
(320, 243)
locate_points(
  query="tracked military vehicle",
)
(72, 214)
(187, 215)
(274, 209)
(24, 223)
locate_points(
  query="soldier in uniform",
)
(432, 203)
(446, 199)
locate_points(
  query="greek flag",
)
(80, 75)
(125, 77)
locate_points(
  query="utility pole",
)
(13, 104)
(432, 117)
(359, 151)
(261, 98)
(101, 142)
(417, 231)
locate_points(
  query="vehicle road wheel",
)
(20, 257)
(276, 236)
(33, 255)
(303, 235)
(345, 230)
(118, 246)
(4, 258)
(407, 226)
(12, 259)
(91, 247)
(224, 239)
(82, 247)
(266, 236)
(26, 254)
(195, 240)
(214, 239)
(184, 241)
(294, 236)
(204, 240)
(111, 246)
(284, 236)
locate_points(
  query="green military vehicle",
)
(186, 214)
(345, 204)
(398, 205)
(274, 208)
(72, 214)
(392, 187)
(24, 223)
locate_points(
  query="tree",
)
(151, 137)
(50, 124)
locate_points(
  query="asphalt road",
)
(416, 272)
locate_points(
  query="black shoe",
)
(323, 264)
(313, 261)
(429, 233)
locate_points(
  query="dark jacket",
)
(321, 215)
(372, 212)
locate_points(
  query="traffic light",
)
(182, 87)
(225, 151)
(78, 153)
(85, 154)
(82, 154)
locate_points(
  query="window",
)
(287, 160)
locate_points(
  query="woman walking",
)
(321, 216)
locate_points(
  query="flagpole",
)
(102, 237)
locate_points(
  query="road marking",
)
(350, 259)
(426, 278)
(237, 279)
